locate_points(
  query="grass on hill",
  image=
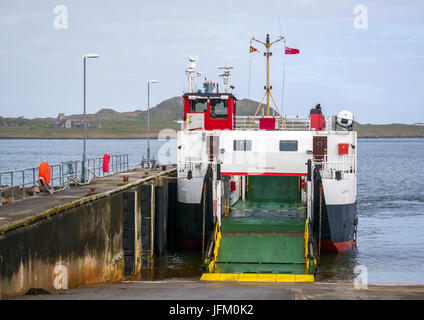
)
(134, 124)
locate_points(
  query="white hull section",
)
(190, 191)
(340, 192)
(240, 152)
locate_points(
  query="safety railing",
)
(290, 123)
(24, 183)
(189, 165)
(329, 169)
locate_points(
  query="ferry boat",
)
(263, 196)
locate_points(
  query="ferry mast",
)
(268, 94)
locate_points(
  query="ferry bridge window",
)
(242, 145)
(288, 145)
(200, 105)
(219, 109)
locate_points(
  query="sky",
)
(369, 61)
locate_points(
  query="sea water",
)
(390, 200)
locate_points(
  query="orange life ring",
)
(44, 172)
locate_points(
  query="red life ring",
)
(44, 173)
(106, 161)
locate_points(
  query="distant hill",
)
(108, 123)
(394, 130)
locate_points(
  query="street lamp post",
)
(148, 118)
(84, 157)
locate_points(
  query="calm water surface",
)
(390, 205)
(26, 153)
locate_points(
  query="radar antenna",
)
(225, 76)
(190, 72)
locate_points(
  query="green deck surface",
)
(269, 238)
(260, 268)
(273, 188)
(264, 234)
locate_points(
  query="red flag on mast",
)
(291, 51)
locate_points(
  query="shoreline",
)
(390, 137)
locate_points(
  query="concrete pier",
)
(200, 290)
(83, 235)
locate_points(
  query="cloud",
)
(138, 40)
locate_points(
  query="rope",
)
(42, 182)
(204, 222)
(79, 183)
(174, 177)
(96, 176)
(355, 234)
(51, 191)
(319, 232)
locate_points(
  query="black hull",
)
(338, 222)
(194, 222)
(189, 225)
(338, 227)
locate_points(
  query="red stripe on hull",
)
(264, 174)
(330, 246)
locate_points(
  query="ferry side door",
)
(212, 147)
(319, 149)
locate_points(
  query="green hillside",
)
(113, 124)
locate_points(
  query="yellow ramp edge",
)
(304, 278)
(210, 276)
(249, 277)
(266, 278)
(245, 277)
(285, 278)
(229, 277)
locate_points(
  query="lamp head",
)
(91, 55)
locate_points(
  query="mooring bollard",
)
(92, 191)
(125, 180)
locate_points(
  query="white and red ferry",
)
(282, 165)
